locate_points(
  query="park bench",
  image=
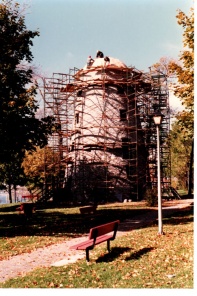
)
(88, 209)
(98, 235)
(27, 209)
(29, 197)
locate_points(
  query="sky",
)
(137, 32)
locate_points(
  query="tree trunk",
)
(10, 193)
(190, 187)
(15, 197)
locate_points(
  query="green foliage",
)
(181, 78)
(151, 197)
(184, 71)
(180, 154)
(20, 130)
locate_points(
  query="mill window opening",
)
(77, 118)
(80, 93)
(123, 114)
(125, 150)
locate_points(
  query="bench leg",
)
(108, 245)
(87, 255)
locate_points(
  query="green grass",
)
(51, 225)
(139, 259)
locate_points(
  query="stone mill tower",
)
(107, 151)
(105, 148)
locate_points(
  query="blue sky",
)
(138, 32)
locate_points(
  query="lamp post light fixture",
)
(157, 120)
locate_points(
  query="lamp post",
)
(157, 120)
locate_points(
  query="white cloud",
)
(69, 55)
(171, 46)
(172, 49)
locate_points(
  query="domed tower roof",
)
(100, 63)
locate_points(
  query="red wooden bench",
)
(88, 210)
(27, 209)
(31, 197)
(98, 235)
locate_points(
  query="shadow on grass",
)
(182, 216)
(113, 254)
(56, 223)
(139, 254)
(117, 251)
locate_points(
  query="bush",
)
(151, 197)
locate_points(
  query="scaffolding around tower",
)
(105, 147)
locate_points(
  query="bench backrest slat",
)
(103, 229)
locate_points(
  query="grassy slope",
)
(140, 259)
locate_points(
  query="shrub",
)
(151, 197)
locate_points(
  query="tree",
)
(184, 88)
(20, 130)
(180, 75)
(13, 175)
(180, 155)
(39, 165)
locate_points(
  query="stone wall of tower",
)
(97, 118)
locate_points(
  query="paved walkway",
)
(60, 254)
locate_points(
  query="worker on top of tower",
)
(99, 54)
(107, 60)
(90, 61)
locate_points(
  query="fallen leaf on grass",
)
(170, 275)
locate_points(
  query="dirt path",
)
(21, 264)
(60, 254)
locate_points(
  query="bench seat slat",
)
(83, 245)
(86, 244)
(103, 238)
